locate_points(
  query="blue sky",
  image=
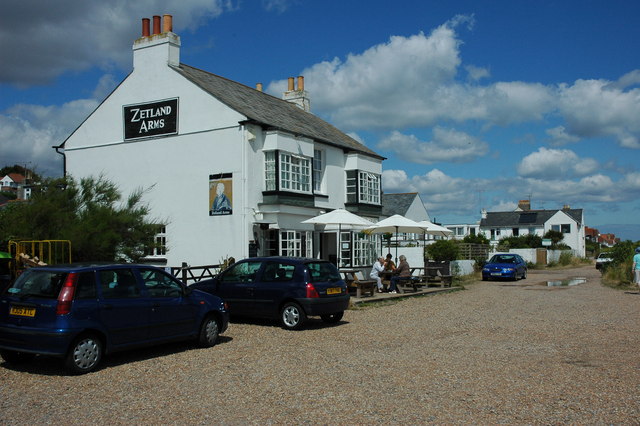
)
(475, 104)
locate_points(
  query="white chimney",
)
(298, 96)
(157, 48)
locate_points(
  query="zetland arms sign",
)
(151, 119)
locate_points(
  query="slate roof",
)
(397, 203)
(526, 218)
(269, 111)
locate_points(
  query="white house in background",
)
(461, 230)
(18, 184)
(523, 221)
(228, 170)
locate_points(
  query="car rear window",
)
(277, 271)
(323, 271)
(37, 283)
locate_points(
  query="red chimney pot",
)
(146, 25)
(156, 24)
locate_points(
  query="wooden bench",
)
(412, 282)
(439, 272)
(356, 281)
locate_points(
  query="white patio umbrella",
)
(339, 217)
(433, 229)
(396, 224)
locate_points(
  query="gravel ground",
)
(497, 352)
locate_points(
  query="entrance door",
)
(329, 250)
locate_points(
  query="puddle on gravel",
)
(566, 283)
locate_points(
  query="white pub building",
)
(228, 169)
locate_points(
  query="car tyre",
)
(292, 316)
(84, 355)
(209, 332)
(14, 357)
(332, 318)
(524, 275)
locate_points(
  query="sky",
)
(474, 104)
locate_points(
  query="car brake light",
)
(66, 294)
(311, 291)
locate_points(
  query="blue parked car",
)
(81, 312)
(505, 265)
(287, 288)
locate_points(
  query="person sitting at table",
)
(389, 265)
(402, 272)
(375, 273)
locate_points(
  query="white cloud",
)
(476, 73)
(555, 163)
(559, 136)
(28, 132)
(411, 81)
(37, 44)
(439, 192)
(595, 108)
(448, 145)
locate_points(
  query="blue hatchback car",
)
(81, 312)
(505, 265)
(287, 288)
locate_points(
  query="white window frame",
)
(318, 169)
(270, 171)
(296, 243)
(295, 173)
(160, 240)
(369, 187)
(364, 249)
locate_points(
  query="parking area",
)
(496, 352)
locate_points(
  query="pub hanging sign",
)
(151, 119)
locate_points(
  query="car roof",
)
(86, 266)
(289, 259)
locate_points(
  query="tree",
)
(478, 238)
(443, 250)
(555, 237)
(522, 241)
(90, 214)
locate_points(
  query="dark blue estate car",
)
(80, 312)
(505, 265)
(287, 288)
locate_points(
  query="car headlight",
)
(508, 269)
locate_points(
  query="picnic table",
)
(355, 280)
(414, 281)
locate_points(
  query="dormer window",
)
(287, 172)
(363, 187)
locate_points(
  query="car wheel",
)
(332, 318)
(292, 316)
(485, 278)
(85, 355)
(13, 357)
(208, 332)
(524, 275)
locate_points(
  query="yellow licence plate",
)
(22, 311)
(334, 290)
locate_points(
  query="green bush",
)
(443, 250)
(566, 258)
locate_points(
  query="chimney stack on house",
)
(157, 47)
(524, 205)
(297, 96)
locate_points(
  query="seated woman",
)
(402, 272)
(389, 265)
